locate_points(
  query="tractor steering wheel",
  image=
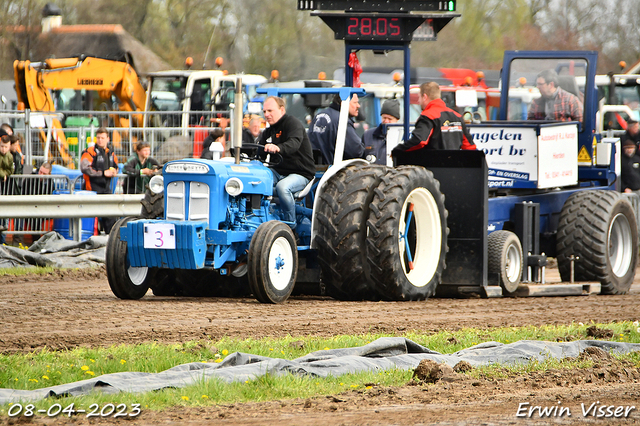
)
(255, 151)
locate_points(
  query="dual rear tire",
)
(382, 233)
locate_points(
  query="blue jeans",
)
(285, 187)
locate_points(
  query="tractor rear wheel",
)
(342, 232)
(505, 259)
(599, 229)
(126, 282)
(272, 262)
(407, 234)
(152, 205)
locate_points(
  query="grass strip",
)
(45, 367)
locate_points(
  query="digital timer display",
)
(374, 28)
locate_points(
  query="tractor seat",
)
(305, 191)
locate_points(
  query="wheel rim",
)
(137, 275)
(513, 264)
(420, 237)
(280, 263)
(620, 245)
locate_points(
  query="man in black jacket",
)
(630, 166)
(286, 136)
(632, 133)
(323, 131)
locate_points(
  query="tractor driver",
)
(438, 127)
(286, 136)
(554, 103)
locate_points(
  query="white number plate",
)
(160, 236)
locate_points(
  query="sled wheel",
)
(407, 239)
(342, 232)
(125, 281)
(599, 228)
(272, 262)
(505, 259)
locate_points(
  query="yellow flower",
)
(84, 368)
(91, 373)
(45, 377)
(225, 352)
(33, 380)
(341, 384)
(270, 349)
(122, 361)
(282, 352)
(205, 397)
(218, 360)
(92, 360)
(326, 349)
(354, 386)
(186, 398)
(369, 387)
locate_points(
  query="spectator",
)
(6, 169)
(18, 162)
(375, 140)
(98, 165)
(252, 133)
(216, 135)
(139, 168)
(630, 166)
(7, 128)
(323, 131)
(632, 133)
(286, 135)
(554, 102)
(6, 163)
(438, 127)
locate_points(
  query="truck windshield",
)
(168, 93)
(533, 89)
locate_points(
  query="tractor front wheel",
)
(272, 262)
(125, 281)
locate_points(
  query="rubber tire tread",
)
(497, 244)
(582, 231)
(258, 261)
(387, 274)
(117, 265)
(341, 233)
(152, 205)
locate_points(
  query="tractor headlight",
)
(156, 184)
(234, 187)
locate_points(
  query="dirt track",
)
(78, 308)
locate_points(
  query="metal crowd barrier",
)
(31, 203)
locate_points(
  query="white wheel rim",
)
(280, 263)
(137, 275)
(513, 263)
(620, 245)
(428, 244)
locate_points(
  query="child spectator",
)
(139, 168)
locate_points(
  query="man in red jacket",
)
(438, 127)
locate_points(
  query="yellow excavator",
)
(35, 82)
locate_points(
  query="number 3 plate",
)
(160, 236)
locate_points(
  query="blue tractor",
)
(222, 229)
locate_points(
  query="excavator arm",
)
(35, 80)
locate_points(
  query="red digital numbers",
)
(373, 28)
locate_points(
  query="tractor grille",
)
(198, 202)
